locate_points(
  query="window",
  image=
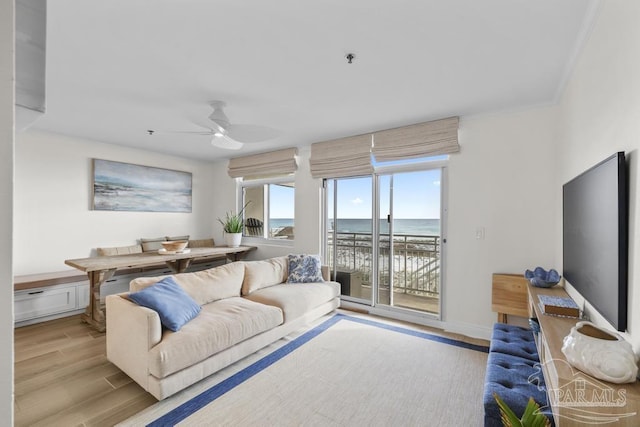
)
(269, 211)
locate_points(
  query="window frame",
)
(262, 182)
(441, 162)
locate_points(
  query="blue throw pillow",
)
(304, 269)
(174, 306)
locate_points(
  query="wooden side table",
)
(509, 295)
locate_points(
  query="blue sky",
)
(416, 195)
(282, 201)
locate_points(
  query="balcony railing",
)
(415, 261)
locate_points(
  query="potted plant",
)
(232, 225)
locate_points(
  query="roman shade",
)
(419, 140)
(341, 157)
(274, 163)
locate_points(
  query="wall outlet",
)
(479, 233)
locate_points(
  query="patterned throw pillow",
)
(304, 269)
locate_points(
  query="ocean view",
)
(414, 227)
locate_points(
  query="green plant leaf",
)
(532, 417)
(509, 418)
(233, 223)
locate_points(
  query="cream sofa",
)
(244, 306)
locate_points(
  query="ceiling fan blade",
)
(191, 132)
(251, 133)
(226, 143)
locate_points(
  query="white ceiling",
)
(117, 68)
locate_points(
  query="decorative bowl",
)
(603, 354)
(541, 278)
(175, 245)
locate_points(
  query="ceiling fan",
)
(229, 135)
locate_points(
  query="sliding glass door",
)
(349, 223)
(393, 260)
(409, 242)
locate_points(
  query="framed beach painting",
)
(127, 187)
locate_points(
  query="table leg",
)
(236, 256)
(94, 314)
(179, 265)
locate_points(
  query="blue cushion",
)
(515, 380)
(304, 269)
(172, 303)
(514, 340)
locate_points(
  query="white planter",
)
(233, 239)
(602, 354)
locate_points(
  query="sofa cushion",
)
(515, 380)
(513, 340)
(172, 304)
(295, 299)
(220, 325)
(261, 274)
(203, 286)
(304, 269)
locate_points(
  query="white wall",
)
(6, 209)
(502, 181)
(54, 220)
(600, 114)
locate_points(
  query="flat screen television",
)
(595, 237)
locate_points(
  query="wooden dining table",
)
(102, 268)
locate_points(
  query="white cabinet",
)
(83, 295)
(50, 301)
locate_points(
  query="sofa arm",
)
(325, 272)
(132, 331)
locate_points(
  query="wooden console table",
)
(99, 269)
(578, 399)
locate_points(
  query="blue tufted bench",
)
(513, 372)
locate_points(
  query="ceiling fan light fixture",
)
(218, 116)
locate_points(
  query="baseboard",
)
(469, 330)
(46, 318)
(466, 329)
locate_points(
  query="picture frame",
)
(119, 186)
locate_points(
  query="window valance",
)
(341, 157)
(419, 140)
(274, 163)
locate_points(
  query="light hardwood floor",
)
(63, 378)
